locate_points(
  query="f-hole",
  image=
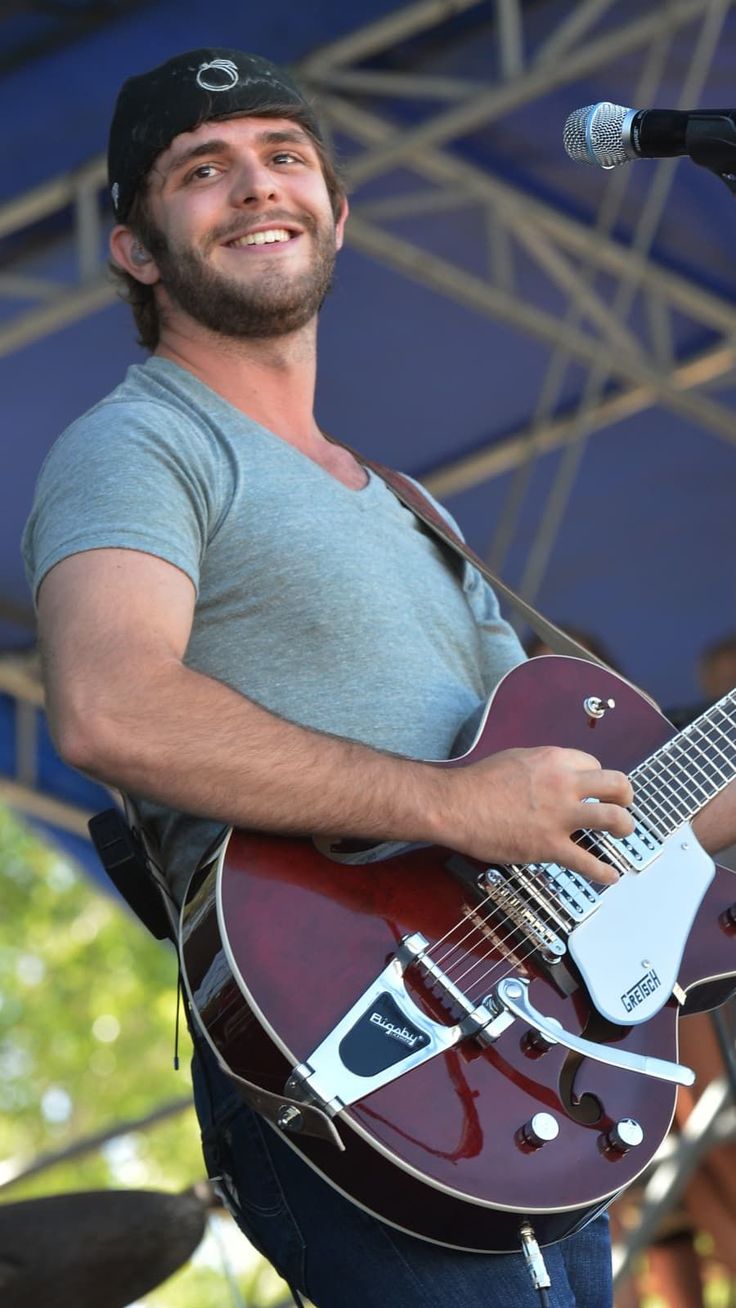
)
(587, 1109)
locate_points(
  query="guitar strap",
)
(415, 499)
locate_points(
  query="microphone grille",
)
(595, 134)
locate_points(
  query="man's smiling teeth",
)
(264, 238)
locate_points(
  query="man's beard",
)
(273, 304)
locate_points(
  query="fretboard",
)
(674, 783)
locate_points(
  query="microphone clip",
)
(710, 141)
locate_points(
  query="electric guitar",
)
(479, 1046)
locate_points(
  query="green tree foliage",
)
(87, 1014)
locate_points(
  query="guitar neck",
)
(683, 775)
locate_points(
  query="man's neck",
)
(271, 381)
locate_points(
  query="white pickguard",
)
(629, 950)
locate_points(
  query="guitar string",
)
(505, 944)
(475, 991)
(507, 957)
(537, 873)
(660, 794)
(595, 840)
(479, 932)
(521, 958)
(543, 913)
(502, 944)
(489, 899)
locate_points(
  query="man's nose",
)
(253, 183)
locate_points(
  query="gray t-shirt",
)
(333, 607)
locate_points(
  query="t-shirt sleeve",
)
(127, 475)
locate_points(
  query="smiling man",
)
(242, 625)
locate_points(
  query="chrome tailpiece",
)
(386, 1034)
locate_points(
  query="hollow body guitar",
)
(490, 1044)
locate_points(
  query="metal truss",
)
(20, 684)
(711, 1123)
(627, 369)
(567, 252)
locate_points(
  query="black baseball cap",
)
(190, 89)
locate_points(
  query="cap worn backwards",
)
(178, 96)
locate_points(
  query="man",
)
(243, 626)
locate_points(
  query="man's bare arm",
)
(123, 706)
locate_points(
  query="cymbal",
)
(94, 1249)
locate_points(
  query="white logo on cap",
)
(115, 193)
(219, 75)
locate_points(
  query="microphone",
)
(610, 134)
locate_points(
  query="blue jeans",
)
(340, 1257)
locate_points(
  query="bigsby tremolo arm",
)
(512, 994)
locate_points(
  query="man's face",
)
(246, 237)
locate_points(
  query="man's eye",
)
(203, 171)
(285, 156)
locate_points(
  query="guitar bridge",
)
(386, 1034)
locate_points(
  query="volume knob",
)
(624, 1135)
(540, 1129)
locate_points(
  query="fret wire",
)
(717, 747)
(658, 803)
(723, 716)
(651, 795)
(648, 820)
(724, 776)
(707, 789)
(688, 771)
(709, 718)
(730, 747)
(656, 797)
(704, 791)
(727, 709)
(664, 777)
(712, 743)
(722, 733)
(706, 761)
(720, 776)
(679, 809)
(699, 755)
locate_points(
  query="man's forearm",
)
(196, 745)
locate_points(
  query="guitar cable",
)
(535, 1263)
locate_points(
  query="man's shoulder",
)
(138, 413)
(144, 398)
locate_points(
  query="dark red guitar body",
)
(297, 938)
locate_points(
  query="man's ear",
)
(340, 224)
(127, 252)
